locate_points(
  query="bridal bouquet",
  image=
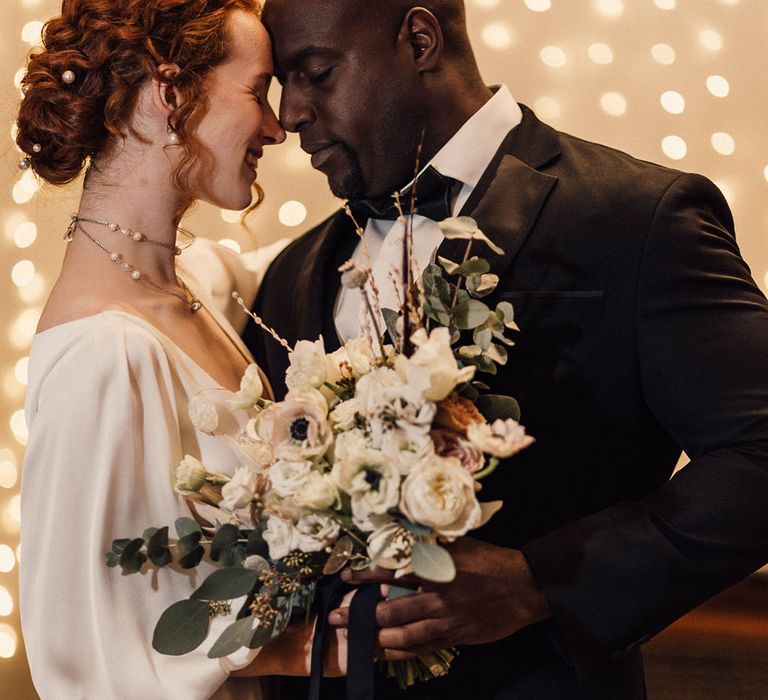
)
(373, 459)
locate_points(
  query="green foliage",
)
(113, 557)
(186, 526)
(494, 406)
(132, 557)
(181, 628)
(339, 556)
(232, 638)
(224, 545)
(157, 547)
(189, 551)
(226, 584)
(432, 562)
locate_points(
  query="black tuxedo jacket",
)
(642, 333)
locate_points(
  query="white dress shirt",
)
(464, 158)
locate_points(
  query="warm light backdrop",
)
(681, 82)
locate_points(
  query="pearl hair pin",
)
(68, 77)
(36, 148)
(25, 163)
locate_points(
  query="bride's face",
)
(239, 121)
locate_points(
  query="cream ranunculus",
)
(317, 492)
(440, 494)
(316, 532)
(432, 370)
(241, 489)
(390, 546)
(378, 390)
(502, 438)
(280, 536)
(360, 355)
(406, 449)
(309, 366)
(203, 414)
(190, 475)
(297, 427)
(345, 415)
(285, 477)
(251, 389)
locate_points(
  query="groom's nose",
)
(295, 110)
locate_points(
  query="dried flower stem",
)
(260, 323)
(458, 285)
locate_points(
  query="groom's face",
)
(347, 91)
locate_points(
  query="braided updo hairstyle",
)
(81, 88)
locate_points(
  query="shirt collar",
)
(467, 155)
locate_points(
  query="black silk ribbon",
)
(361, 642)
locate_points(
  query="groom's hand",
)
(492, 596)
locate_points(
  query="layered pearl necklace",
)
(189, 299)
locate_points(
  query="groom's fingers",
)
(376, 575)
(415, 638)
(394, 613)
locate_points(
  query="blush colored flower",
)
(297, 427)
(285, 477)
(502, 438)
(280, 536)
(317, 492)
(241, 489)
(315, 532)
(448, 444)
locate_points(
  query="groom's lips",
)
(321, 152)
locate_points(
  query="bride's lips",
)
(321, 152)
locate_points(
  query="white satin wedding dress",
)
(107, 413)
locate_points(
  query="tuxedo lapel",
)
(318, 280)
(511, 193)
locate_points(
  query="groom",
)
(642, 333)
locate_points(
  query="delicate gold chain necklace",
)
(189, 299)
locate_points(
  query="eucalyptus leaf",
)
(390, 321)
(432, 562)
(181, 628)
(415, 528)
(469, 314)
(436, 286)
(470, 351)
(148, 533)
(189, 551)
(186, 526)
(226, 536)
(488, 510)
(498, 353)
(461, 227)
(506, 313)
(113, 557)
(132, 557)
(474, 266)
(232, 638)
(226, 584)
(436, 310)
(395, 592)
(256, 544)
(495, 406)
(448, 265)
(157, 548)
(262, 636)
(339, 556)
(482, 337)
(433, 269)
(482, 285)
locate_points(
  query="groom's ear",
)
(425, 37)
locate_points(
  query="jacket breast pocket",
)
(556, 304)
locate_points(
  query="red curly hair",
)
(113, 47)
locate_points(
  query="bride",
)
(163, 102)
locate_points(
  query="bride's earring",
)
(173, 137)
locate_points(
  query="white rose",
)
(349, 444)
(378, 390)
(297, 427)
(308, 365)
(317, 492)
(190, 475)
(432, 369)
(285, 477)
(240, 490)
(280, 536)
(391, 546)
(502, 438)
(440, 494)
(344, 416)
(315, 532)
(203, 415)
(251, 389)
(406, 449)
(360, 354)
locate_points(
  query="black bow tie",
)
(433, 200)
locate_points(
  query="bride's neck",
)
(127, 192)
